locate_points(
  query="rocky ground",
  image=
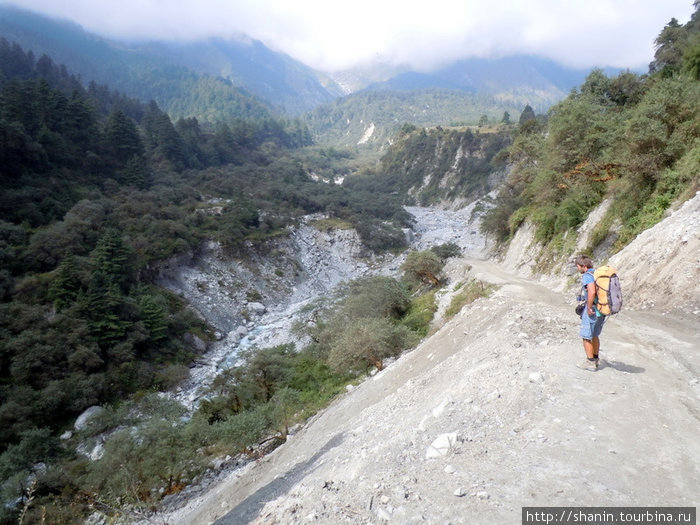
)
(490, 413)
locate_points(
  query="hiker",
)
(591, 319)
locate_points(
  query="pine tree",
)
(154, 317)
(136, 172)
(104, 305)
(122, 137)
(527, 115)
(66, 286)
(112, 259)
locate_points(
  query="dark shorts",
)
(591, 326)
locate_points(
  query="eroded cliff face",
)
(658, 270)
(254, 299)
(230, 290)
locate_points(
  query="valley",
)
(233, 291)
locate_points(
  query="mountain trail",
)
(486, 416)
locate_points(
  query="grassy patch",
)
(421, 313)
(330, 224)
(468, 293)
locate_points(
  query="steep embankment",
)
(491, 414)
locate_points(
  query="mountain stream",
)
(321, 261)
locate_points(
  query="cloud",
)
(331, 36)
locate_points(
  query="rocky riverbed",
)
(257, 302)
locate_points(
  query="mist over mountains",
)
(157, 70)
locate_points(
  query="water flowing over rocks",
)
(255, 301)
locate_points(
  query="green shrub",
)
(422, 267)
(446, 250)
(468, 293)
(421, 313)
(244, 429)
(374, 296)
(139, 462)
(365, 343)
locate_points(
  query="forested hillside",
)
(179, 90)
(370, 119)
(97, 188)
(632, 138)
(288, 85)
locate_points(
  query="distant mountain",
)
(180, 77)
(519, 80)
(272, 76)
(218, 79)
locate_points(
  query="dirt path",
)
(523, 426)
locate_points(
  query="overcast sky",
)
(332, 34)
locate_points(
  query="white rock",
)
(383, 514)
(257, 308)
(442, 445)
(85, 417)
(535, 377)
(440, 409)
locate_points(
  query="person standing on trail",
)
(591, 319)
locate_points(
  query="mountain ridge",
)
(273, 76)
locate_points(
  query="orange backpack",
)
(608, 290)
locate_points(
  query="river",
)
(324, 260)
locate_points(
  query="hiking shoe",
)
(591, 366)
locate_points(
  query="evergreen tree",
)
(161, 137)
(112, 259)
(669, 49)
(153, 315)
(122, 137)
(66, 286)
(191, 136)
(81, 124)
(527, 115)
(105, 308)
(136, 172)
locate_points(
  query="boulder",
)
(84, 418)
(257, 308)
(195, 342)
(443, 445)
